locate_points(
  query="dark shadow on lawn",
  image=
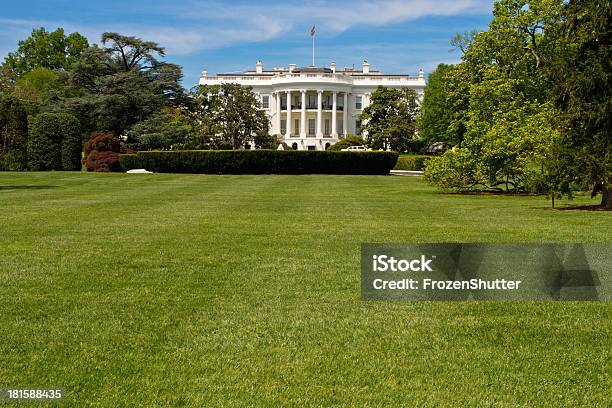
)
(26, 187)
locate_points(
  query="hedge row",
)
(414, 162)
(261, 162)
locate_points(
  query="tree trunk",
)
(606, 197)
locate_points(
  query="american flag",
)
(313, 31)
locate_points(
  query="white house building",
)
(311, 108)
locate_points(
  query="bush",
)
(55, 142)
(348, 141)
(414, 162)
(102, 153)
(13, 134)
(102, 142)
(72, 144)
(102, 161)
(261, 162)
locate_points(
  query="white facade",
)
(312, 108)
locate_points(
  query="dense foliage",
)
(412, 162)
(54, 142)
(231, 117)
(528, 109)
(13, 134)
(43, 49)
(389, 121)
(122, 83)
(261, 162)
(102, 153)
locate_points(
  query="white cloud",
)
(199, 26)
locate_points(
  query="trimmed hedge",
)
(54, 142)
(412, 162)
(261, 162)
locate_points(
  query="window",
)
(311, 126)
(294, 146)
(312, 148)
(358, 102)
(312, 101)
(296, 126)
(296, 101)
(340, 103)
(265, 101)
(340, 126)
(357, 127)
(327, 126)
(283, 128)
(283, 102)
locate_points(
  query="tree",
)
(583, 81)
(443, 112)
(51, 50)
(231, 116)
(510, 122)
(13, 134)
(122, 84)
(38, 89)
(390, 119)
(54, 142)
(167, 129)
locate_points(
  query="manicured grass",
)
(193, 290)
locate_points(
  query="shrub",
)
(72, 144)
(261, 162)
(44, 152)
(102, 153)
(106, 161)
(13, 134)
(55, 142)
(413, 162)
(102, 142)
(350, 140)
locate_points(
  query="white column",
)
(288, 134)
(303, 116)
(278, 112)
(319, 113)
(345, 115)
(334, 130)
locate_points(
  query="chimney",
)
(259, 67)
(292, 67)
(204, 74)
(421, 74)
(332, 66)
(366, 67)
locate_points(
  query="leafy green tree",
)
(443, 112)
(510, 118)
(167, 129)
(39, 89)
(13, 134)
(54, 142)
(390, 119)
(43, 49)
(582, 74)
(122, 84)
(231, 116)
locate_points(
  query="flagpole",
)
(313, 55)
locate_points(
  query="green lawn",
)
(194, 290)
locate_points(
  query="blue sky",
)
(226, 36)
